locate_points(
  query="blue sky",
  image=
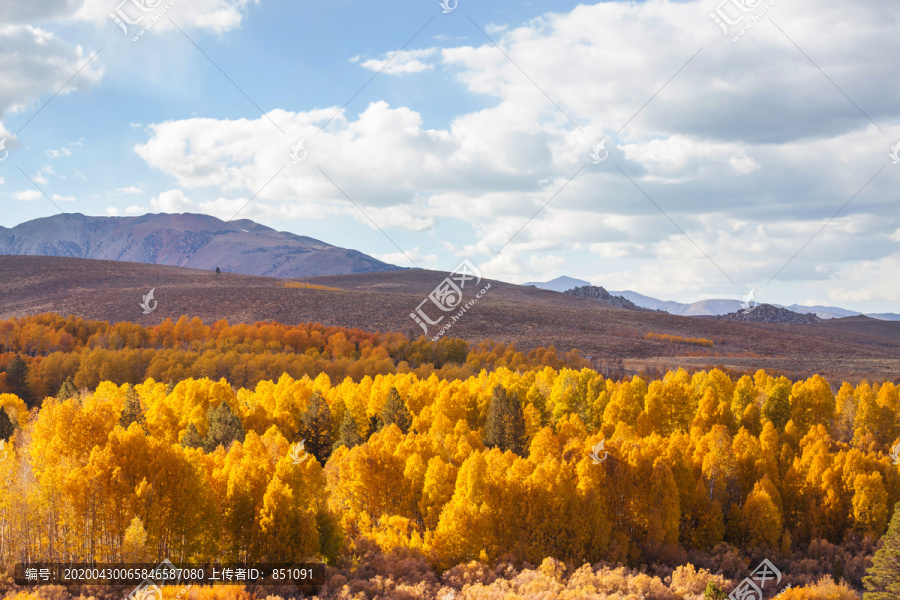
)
(728, 157)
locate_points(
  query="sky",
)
(683, 150)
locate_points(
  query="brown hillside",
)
(529, 317)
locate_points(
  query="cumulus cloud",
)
(171, 201)
(214, 15)
(400, 62)
(28, 195)
(749, 149)
(34, 62)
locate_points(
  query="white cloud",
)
(403, 61)
(171, 201)
(749, 149)
(34, 63)
(129, 190)
(58, 198)
(28, 195)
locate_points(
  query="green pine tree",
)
(225, 427)
(777, 407)
(395, 411)
(192, 438)
(131, 409)
(17, 378)
(713, 592)
(505, 424)
(883, 580)
(316, 429)
(347, 434)
(6, 425)
(67, 389)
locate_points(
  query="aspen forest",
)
(429, 469)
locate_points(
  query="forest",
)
(505, 478)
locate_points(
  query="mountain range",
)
(712, 306)
(198, 241)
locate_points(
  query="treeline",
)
(41, 352)
(501, 465)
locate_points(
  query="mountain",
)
(718, 307)
(768, 313)
(598, 294)
(845, 349)
(198, 241)
(560, 284)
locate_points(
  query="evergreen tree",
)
(505, 425)
(169, 387)
(224, 427)
(317, 428)
(17, 377)
(883, 580)
(6, 425)
(192, 438)
(131, 410)
(395, 411)
(777, 407)
(713, 592)
(347, 434)
(67, 389)
(375, 424)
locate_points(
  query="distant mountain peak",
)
(598, 294)
(767, 313)
(560, 284)
(199, 241)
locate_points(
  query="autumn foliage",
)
(493, 470)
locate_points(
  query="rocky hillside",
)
(598, 294)
(198, 241)
(766, 313)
